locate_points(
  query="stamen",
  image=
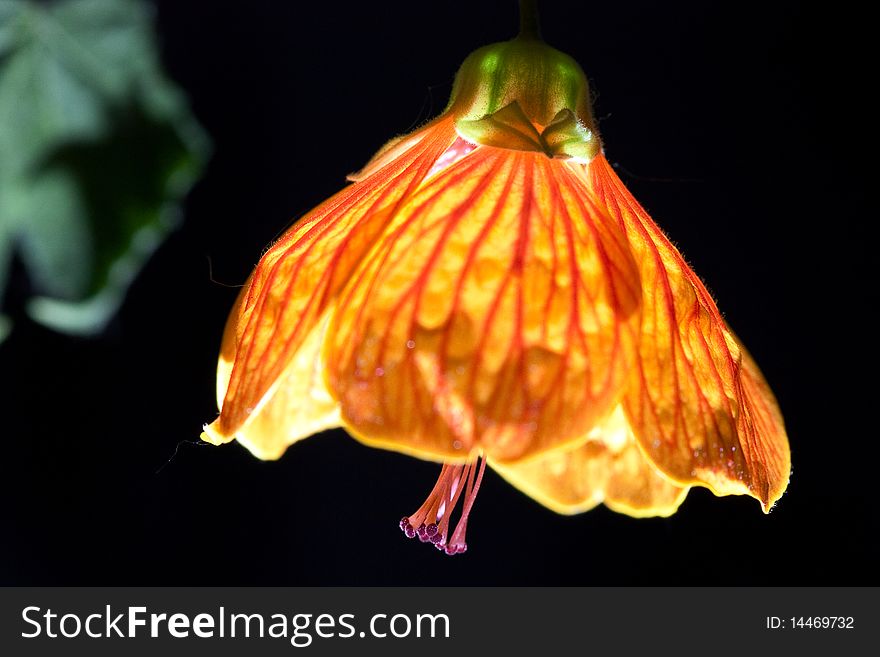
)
(431, 522)
(457, 544)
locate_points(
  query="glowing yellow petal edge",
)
(596, 476)
(295, 407)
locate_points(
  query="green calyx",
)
(524, 95)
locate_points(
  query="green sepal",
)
(542, 80)
(568, 137)
(508, 128)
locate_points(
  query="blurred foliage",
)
(97, 148)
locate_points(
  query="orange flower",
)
(488, 291)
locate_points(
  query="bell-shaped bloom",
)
(488, 291)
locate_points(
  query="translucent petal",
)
(296, 282)
(609, 467)
(697, 403)
(491, 315)
(762, 434)
(297, 406)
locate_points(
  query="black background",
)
(740, 126)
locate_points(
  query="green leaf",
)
(8, 13)
(97, 148)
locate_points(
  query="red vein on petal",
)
(379, 183)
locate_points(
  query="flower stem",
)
(529, 25)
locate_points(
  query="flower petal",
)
(697, 403)
(762, 433)
(297, 280)
(609, 468)
(489, 316)
(296, 407)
